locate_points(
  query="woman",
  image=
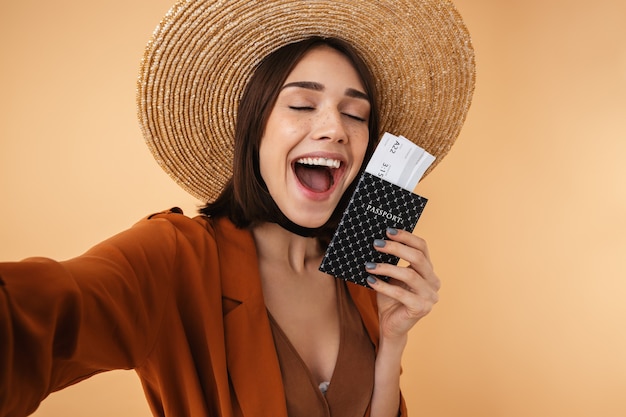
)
(227, 313)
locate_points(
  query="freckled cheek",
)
(358, 132)
(290, 128)
(301, 125)
(360, 141)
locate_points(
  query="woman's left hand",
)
(412, 290)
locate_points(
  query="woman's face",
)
(316, 137)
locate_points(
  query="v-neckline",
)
(341, 315)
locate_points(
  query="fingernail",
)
(379, 243)
(370, 265)
(371, 279)
(392, 231)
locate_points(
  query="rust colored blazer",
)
(177, 299)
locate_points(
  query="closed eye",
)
(311, 108)
(355, 117)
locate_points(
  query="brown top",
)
(350, 389)
(177, 299)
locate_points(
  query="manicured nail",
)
(379, 243)
(371, 279)
(392, 231)
(370, 265)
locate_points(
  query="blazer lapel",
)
(365, 301)
(251, 355)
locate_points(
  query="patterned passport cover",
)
(375, 205)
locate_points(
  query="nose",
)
(329, 125)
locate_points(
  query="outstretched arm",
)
(61, 322)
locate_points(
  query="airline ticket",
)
(399, 161)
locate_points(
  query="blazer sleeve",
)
(61, 322)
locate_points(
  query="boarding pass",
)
(399, 161)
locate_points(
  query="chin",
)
(308, 221)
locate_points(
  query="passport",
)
(382, 198)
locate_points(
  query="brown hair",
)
(245, 199)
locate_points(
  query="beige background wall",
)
(526, 220)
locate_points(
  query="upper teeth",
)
(332, 163)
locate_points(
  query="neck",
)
(280, 246)
(292, 227)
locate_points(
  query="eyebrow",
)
(312, 85)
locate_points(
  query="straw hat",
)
(203, 52)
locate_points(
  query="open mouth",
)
(317, 174)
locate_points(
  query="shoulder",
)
(174, 221)
(167, 246)
(200, 232)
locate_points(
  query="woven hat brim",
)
(203, 53)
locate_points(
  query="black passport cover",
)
(375, 205)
